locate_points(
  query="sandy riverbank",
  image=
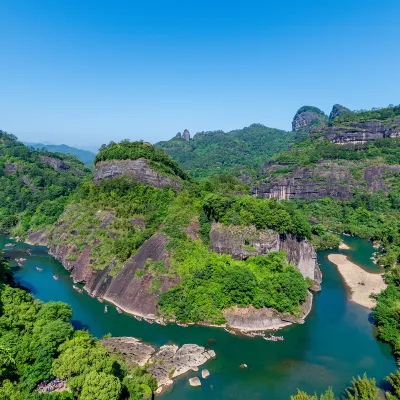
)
(361, 283)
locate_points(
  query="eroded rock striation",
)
(169, 362)
(326, 178)
(245, 241)
(261, 319)
(360, 132)
(139, 169)
(58, 165)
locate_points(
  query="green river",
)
(336, 342)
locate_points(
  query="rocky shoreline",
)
(165, 364)
(238, 319)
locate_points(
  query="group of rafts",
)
(271, 337)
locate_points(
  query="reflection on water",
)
(336, 342)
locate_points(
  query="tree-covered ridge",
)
(38, 343)
(314, 110)
(127, 150)
(242, 151)
(379, 114)
(313, 150)
(33, 193)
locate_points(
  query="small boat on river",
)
(137, 317)
(55, 277)
(182, 325)
(105, 309)
(150, 321)
(20, 265)
(100, 299)
(39, 269)
(232, 332)
(274, 338)
(10, 245)
(77, 289)
(119, 311)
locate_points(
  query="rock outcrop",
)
(253, 319)
(126, 290)
(337, 110)
(326, 178)
(186, 135)
(245, 241)
(169, 362)
(178, 135)
(308, 116)
(139, 169)
(58, 165)
(10, 168)
(360, 132)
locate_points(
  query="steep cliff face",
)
(308, 116)
(139, 169)
(59, 165)
(326, 178)
(245, 241)
(253, 319)
(360, 132)
(128, 290)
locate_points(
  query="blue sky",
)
(87, 72)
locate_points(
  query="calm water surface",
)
(336, 342)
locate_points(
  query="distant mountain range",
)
(87, 157)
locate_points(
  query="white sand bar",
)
(361, 283)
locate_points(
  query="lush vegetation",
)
(32, 193)
(38, 343)
(127, 150)
(312, 150)
(362, 388)
(243, 151)
(380, 114)
(86, 156)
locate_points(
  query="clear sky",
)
(87, 72)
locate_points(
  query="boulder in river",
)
(169, 362)
(205, 373)
(195, 381)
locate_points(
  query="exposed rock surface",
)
(360, 132)
(306, 117)
(178, 135)
(205, 373)
(186, 135)
(139, 169)
(167, 363)
(245, 241)
(125, 290)
(37, 238)
(326, 178)
(26, 181)
(58, 165)
(253, 319)
(194, 381)
(10, 168)
(337, 110)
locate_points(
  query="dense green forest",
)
(379, 114)
(38, 343)
(86, 156)
(243, 151)
(32, 192)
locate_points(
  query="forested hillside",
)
(242, 151)
(87, 157)
(112, 222)
(34, 186)
(39, 343)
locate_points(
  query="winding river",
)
(336, 342)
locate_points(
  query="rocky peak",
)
(308, 116)
(178, 135)
(186, 135)
(337, 110)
